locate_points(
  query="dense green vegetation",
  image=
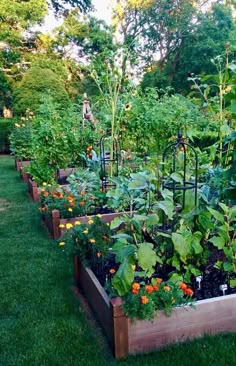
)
(41, 321)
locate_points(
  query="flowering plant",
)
(90, 241)
(69, 202)
(143, 300)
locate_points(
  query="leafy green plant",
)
(21, 138)
(223, 236)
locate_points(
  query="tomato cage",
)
(180, 159)
(109, 158)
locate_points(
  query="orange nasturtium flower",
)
(183, 286)
(136, 286)
(158, 281)
(144, 300)
(188, 292)
(99, 254)
(155, 288)
(112, 270)
(81, 203)
(149, 289)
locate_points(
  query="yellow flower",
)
(23, 125)
(49, 185)
(128, 107)
(108, 224)
(69, 226)
(133, 267)
(61, 225)
(70, 209)
(77, 223)
(85, 231)
(99, 216)
(62, 243)
(90, 222)
(92, 241)
(17, 125)
(44, 184)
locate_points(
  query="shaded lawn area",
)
(41, 322)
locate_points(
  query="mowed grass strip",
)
(41, 322)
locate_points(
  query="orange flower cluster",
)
(144, 300)
(135, 288)
(188, 291)
(89, 149)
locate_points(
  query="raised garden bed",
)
(126, 337)
(19, 163)
(62, 174)
(53, 222)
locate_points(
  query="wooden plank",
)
(205, 311)
(97, 299)
(210, 317)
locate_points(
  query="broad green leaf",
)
(195, 242)
(175, 262)
(175, 278)
(224, 208)
(218, 241)
(117, 222)
(168, 208)
(224, 232)
(228, 267)
(119, 244)
(152, 219)
(140, 217)
(217, 215)
(180, 245)
(177, 177)
(232, 283)
(123, 278)
(232, 213)
(122, 236)
(125, 252)
(147, 257)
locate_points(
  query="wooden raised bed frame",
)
(126, 337)
(20, 163)
(53, 223)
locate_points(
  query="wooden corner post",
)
(120, 324)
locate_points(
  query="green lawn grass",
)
(41, 322)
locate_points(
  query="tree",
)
(35, 84)
(190, 52)
(62, 5)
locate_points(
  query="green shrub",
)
(35, 84)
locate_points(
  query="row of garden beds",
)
(126, 336)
